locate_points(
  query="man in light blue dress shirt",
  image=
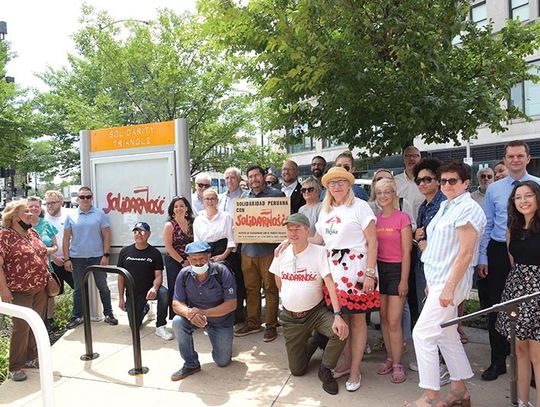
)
(493, 263)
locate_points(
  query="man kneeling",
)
(204, 298)
(299, 271)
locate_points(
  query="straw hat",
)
(337, 173)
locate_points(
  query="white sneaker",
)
(164, 334)
(444, 375)
(413, 366)
(150, 315)
(367, 351)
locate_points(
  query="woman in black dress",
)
(523, 237)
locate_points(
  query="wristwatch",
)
(338, 313)
(106, 254)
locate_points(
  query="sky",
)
(40, 30)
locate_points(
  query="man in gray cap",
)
(145, 264)
(204, 298)
(302, 273)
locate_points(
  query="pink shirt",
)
(389, 236)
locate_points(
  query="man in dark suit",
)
(291, 187)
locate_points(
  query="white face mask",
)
(200, 269)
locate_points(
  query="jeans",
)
(79, 265)
(221, 338)
(141, 302)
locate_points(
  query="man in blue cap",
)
(145, 264)
(204, 298)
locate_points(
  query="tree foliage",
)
(133, 72)
(375, 74)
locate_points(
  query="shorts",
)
(389, 277)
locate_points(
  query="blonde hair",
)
(372, 197)
(11, 210)
(391, 184)
(329, 201)
(54, 194)
(312, 182)
(210, 191)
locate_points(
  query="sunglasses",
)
(270, 183)
(451, 181)
(309, 190)
(205, 186)
(425, 180)
(380, 178)
(344, 166)
(85, 197)
(486, 176)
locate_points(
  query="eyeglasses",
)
(205, 186)
(486, 176)
(426, 180)
(412, 155)
(451, 181)
(527, 197)
(384, 193)
(337, 182)
(52, 203)
(85, 197)
(213, 198)
(309, 190)
(344, 166)
(139, 232)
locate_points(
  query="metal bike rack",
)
(135, 331)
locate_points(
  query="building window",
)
(326, 143)
(305, 145)
(526, 95)
(519, 9)
(479, 14)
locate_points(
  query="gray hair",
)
(234, 170)
(203, 176)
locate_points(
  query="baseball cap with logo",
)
(141, 226)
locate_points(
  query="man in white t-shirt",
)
(56, 217)
(299, 272)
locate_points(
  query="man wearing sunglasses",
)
(87, 242)
(203, 181)
(291, 187)
(485, 176)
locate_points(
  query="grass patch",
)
(479, 322)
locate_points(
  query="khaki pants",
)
(300, 344)
(22, 346)
(256, 271)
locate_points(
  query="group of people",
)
(346, 255)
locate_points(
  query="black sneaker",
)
(329, 384)
(111, 320)
(74, 322)
(184, 372)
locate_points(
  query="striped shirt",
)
(443, 244)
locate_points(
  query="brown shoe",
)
(270, 334)
(329, 384)
(247, 330)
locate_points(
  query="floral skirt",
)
(523, 279)
(348, 268)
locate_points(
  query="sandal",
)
(398, 374)
(385, 367)
(426, 399)
(458, 398)
(32, 364)
(462, 335)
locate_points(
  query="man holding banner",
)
(256, 260)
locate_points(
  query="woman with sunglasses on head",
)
(177, 233)
(394, 237)
(346, 226)
(523, 237)
(311, 191)
(449, 258)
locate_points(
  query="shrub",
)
(5, 333)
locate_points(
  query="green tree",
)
(133, 72)
(375, 74)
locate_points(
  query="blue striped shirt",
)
(496, 210)
(443, 244)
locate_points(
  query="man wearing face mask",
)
(204, 298)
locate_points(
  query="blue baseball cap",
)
(141, 226)
(197, 247)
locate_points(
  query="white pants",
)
(428, 336)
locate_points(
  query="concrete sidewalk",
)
(258, 375)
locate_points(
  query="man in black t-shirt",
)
(145, 264)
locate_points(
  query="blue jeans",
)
(141, 302)
(221, 339)
(79, 265)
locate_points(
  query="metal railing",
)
(135, 329)
(43, 344)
